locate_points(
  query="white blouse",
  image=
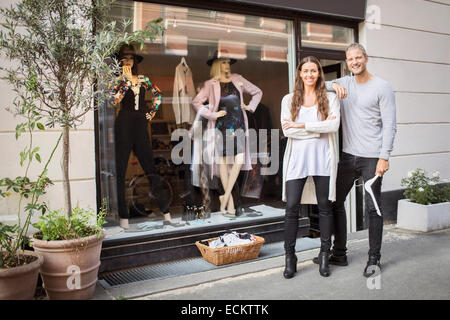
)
(309, 157)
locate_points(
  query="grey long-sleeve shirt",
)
(368, 117)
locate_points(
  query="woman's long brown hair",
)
(299, 90)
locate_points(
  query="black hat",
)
(128, 49)
(210, 61)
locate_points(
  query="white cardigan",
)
(183, 93)
(313, 130)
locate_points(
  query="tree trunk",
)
(65, 171)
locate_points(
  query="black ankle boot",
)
(373, 265)
(291, 266)
(334, 260)
(323, 264)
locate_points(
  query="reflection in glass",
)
(326, 36)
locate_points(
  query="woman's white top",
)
(312, 130)
(309, 157)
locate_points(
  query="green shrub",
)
(424, 189)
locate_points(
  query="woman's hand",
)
(292, 124)
(221, 113)
(245, 107)
(126, 71)
(331, 116)
(341, 92)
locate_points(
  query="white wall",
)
(82, 156)
(408, 43)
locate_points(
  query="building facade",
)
(268, 38)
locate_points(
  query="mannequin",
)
(227, 115)
(131, 130)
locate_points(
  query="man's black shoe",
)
(372, 265)
(334, 260)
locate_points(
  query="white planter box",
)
(419, 217)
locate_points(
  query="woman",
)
(227, 124)
(310, 119)
(131, 130)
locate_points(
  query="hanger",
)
(183, 61)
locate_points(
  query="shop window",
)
(265, 56)
(326, 36)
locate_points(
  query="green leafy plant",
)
(55, 225)
(14, 238)
(425, 189)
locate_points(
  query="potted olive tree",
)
(66, 46)
(427, 204)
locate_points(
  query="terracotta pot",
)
(19, 283)
(70, 267)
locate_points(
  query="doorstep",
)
(148, 287)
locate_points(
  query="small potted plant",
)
(426, 207)
(19, 268)
(71, 247)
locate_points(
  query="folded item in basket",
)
(229, 239)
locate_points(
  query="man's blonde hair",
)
(357, 46)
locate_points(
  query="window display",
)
(191, 65)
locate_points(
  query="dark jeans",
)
(351, 168)
(131, 134)
(294, 190)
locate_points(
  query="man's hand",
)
(382, 167)
(341, 92)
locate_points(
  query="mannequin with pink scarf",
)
(226, 120)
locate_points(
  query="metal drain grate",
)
(192, 265)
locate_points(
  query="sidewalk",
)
(414, 266)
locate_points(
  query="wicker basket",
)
(225, 255)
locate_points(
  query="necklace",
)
(136, 88)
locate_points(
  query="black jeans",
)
(131, 134)
(351, 168)
(294, 190)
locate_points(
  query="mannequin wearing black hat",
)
(131, 130)
(227, 116)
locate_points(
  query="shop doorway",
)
(354, 204)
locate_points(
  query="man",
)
(368, 114)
